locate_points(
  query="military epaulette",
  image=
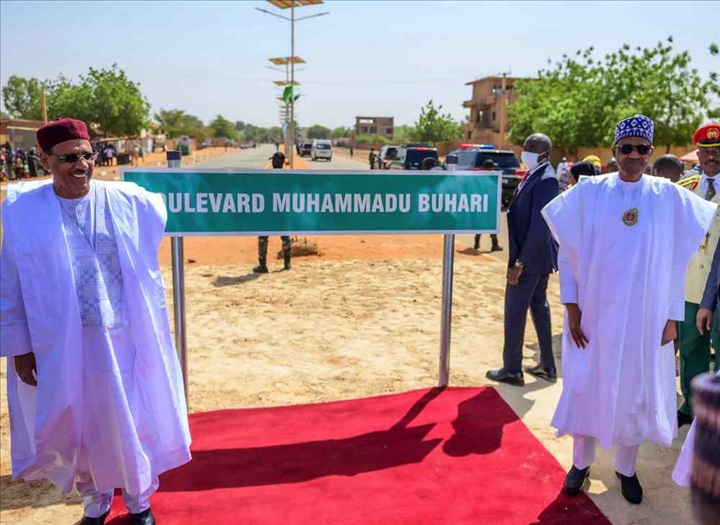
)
(690, 182)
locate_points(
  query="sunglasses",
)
(627, 149)
(72, 158)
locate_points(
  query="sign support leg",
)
(446, 316)
(178, 278)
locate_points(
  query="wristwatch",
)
(519, 264)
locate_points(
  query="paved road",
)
(338, 162)
(245, 158)
(259, 158)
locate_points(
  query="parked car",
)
(410, 156)
(382, 160)
(472, 157)
(305, 149)
(321, 149)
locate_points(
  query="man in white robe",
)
(624, 238)
(95, 391)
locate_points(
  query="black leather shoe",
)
(575, 480)
(142, 518)
(503, 376)
(683, 419)
(546, 373)
(93, 521)
(631, 489)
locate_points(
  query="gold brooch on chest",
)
(630, 217)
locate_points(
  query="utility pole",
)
(44, 106)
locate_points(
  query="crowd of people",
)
(95, 390)
(16, 164)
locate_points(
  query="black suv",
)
(474, 158)
(410, 156)
(305, 149)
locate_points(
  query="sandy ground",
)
(360, 319)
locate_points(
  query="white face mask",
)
(530, 159)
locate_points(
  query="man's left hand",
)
(513, 275)
(670, 332)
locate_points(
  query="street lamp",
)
(286, 61)
(292, 4)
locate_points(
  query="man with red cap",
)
(95, 391)
(695, 343)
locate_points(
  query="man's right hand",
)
(574, 318)
(26, 368)
(703, 320)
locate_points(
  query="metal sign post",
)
(446, 314)
(178, 277)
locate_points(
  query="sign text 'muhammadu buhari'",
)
(270, 202)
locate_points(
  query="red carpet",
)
(456, 456)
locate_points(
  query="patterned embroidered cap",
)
(637, 126)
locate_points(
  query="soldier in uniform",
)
(694, 346)
(371, 158)
(278, 161)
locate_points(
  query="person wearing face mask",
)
(695, 344)
(94, 387)
(624, 238)
(533, 257)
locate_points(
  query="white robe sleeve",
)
(14, 331)
(568, 284)
(564, 218)
(693, 218)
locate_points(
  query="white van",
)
(321, 149)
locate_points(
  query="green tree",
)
(21, 97)
(403, 134)
(432, 126)
(318, 132)
(222, 127)
(578, 101)
(341, 133)
(105, 98)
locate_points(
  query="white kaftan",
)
(628, 280)
(89, 302)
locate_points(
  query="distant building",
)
(19, 133)
(383, 126)
(488, 110)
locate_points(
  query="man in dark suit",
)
(711, 300)
(533, 257)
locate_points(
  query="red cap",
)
(61, 130)
(707, 136)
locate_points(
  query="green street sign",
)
(280, 202)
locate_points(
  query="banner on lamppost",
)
(278, 202)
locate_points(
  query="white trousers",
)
(96, 503)
(584, 455)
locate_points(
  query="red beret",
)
(61, 130)
(707, 136)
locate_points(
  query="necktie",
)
(522, 181)
(710, 193)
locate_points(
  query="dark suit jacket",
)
(711, 296)
(530, 239)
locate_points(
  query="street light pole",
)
(291, 125)
(291, 4)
